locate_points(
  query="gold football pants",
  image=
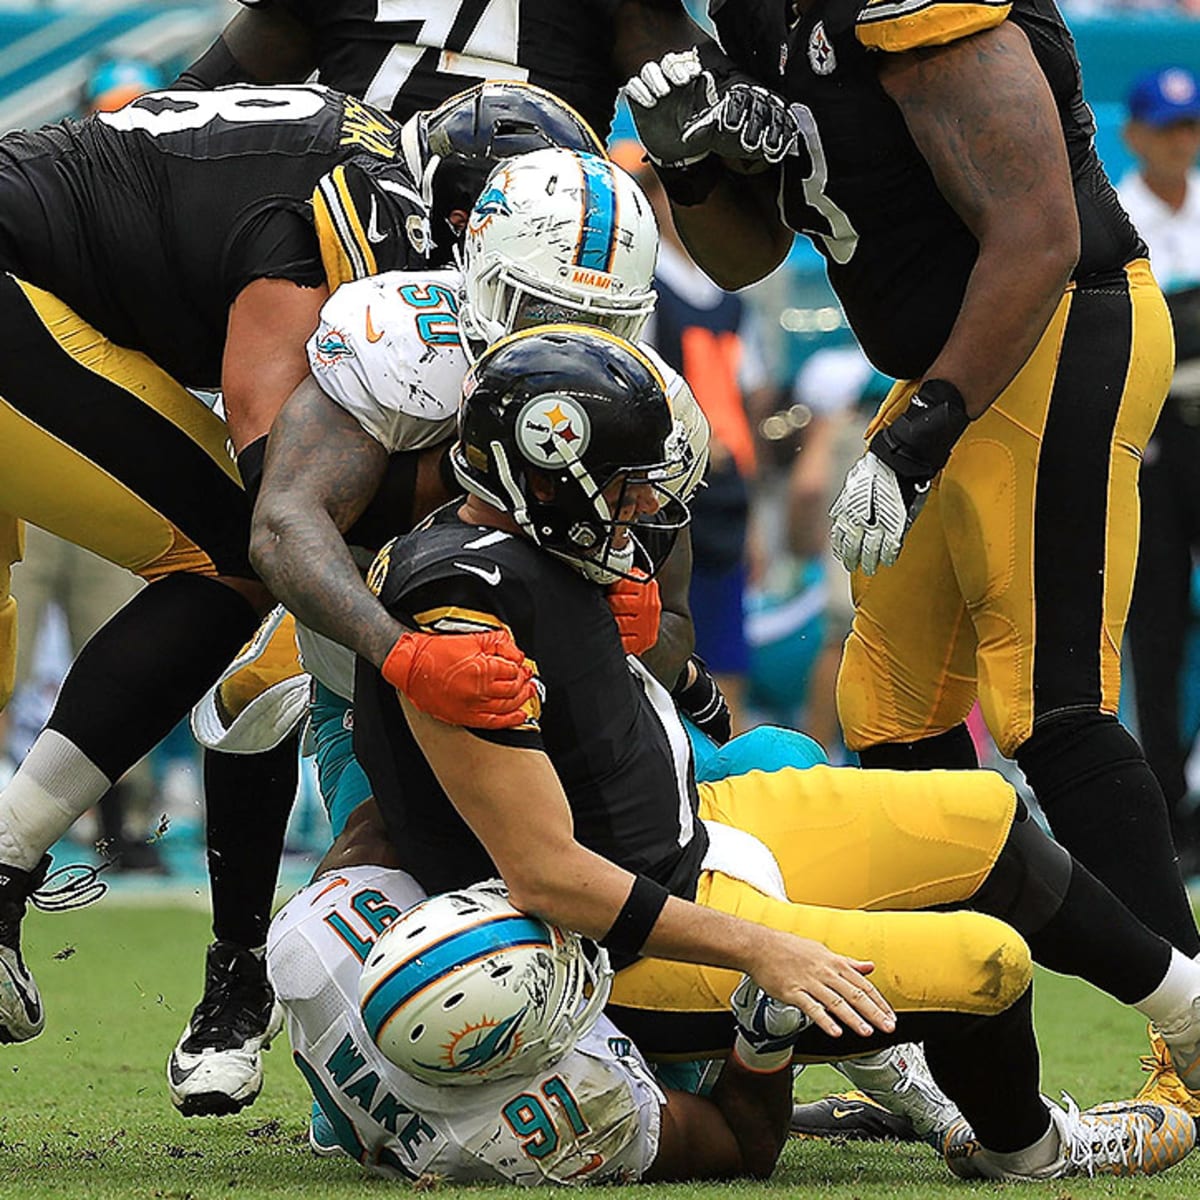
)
(99, 446)
(859, 851)
(1013, 583)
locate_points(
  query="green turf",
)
(84, 1109)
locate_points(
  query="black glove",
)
(701, 701)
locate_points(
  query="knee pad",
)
(1029, 880)
(1071, 749)
(952, 750)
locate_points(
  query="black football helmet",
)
(452, 149)
(580, 408)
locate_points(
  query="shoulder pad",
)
(387, 351)
(898, 25)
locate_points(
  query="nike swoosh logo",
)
(373, 335)
(592, 1164)
(29, 1002)
(839, 1113)
(340, 881)
(488, 576)
(180, 1074)
(374, 233)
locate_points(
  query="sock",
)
(55, 785)
(1106, 807)
(952, 750)
(1179, 987)
(1038, 1156)
(248, 798)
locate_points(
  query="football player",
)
(554, 1092)
(563, 441)
(405, 62)
(986, 263)
(187, 240)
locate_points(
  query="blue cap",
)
(1165, 95)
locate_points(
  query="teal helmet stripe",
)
(439, 960)
(598, 226)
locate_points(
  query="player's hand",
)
(480, 680)
(698, 697)
(766, 1029)
(637, 607)
(833, 991)
(683, 113)
(749, 122)
(869, 517)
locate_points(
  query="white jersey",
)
(593, 1117)
(387, 351)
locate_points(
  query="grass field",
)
(84, 1109)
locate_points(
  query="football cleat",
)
(1182, 1039)
(852, 1115)
(21, 1013)
(1164, 1085)
(899, 1080)
(322, 1137)
(1124, 1137)
(216, 1068)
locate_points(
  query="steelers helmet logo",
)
(553, 429)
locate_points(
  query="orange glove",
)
(480, 680)
(637, 607)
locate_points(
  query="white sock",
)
(1042, 1154)
(1179, 987)
(55, 785)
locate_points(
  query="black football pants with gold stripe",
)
(101, 447)
(1013, 587)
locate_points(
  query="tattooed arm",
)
(982, 114)
(321, 470)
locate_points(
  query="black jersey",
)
(150, 220)
(409, 55)
(614, 739)
(898, 255)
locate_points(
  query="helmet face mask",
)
(557, 234)
(451, 149)
(463, 989)
(565, 428)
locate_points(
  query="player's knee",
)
(998, 961)
(1070, 749)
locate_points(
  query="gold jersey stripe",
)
(899, 25)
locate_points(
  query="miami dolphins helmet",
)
(465, 989)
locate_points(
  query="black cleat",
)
(851, 1115)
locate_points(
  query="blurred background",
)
(775, 611)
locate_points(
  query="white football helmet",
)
(558, 235)
(464, 989)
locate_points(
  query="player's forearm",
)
(736, 235)
(267, 46)
(648, 29)
(757, 1108)
(302, 557)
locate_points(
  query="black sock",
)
(1106, 807)
(140, 672)
(952, 750)
(989, 1066)
(248, 798)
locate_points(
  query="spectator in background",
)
(116, 81)
(1162, 195)
(706, 335)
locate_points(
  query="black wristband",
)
(250, 466)
(214, 68)
(918, 442)
(637, 917)
(693, 184)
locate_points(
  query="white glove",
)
(767, 1029)
(869, 517)
(682, 115)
